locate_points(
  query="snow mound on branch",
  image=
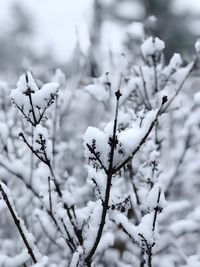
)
(26, 87)
(43, 96)
(130, 138)
(156, 198)
(41, 143)
(27, 81)
(152, 46)
(138, 233)
(175, 62)
(98, 91)
(98, 141)
(197, 46)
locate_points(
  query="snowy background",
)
(53, 28)
(99, 133)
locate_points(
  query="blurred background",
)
(77, 34)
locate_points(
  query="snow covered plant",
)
(158, 167)
(116, 213)
(110, 152)
(32, 101)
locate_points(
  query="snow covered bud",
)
(118, 94)
(175, 62)
(152, 49)
(164, 100)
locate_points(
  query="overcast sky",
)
(59, 22)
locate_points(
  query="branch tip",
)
(118, 94)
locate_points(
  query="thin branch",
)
(97, 157)
(57, 187)
(28, 93)
(123, 164)
(32, 158)
(130, 168)
(18, 225)
(105, 203)
(155, 73)
(47, 234)
(145, 88)
(156, 210)
(54, 129)
(31, 148)
(26, 117)
(166, 81)
(65, 206)
(48, 104)
(192, 67)
(49, 191)
(180, 161)
(29, 186)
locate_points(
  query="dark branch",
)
(18, 225)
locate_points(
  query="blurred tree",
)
(170, 26)
(16, 51)
(13, 45)
(121, 13)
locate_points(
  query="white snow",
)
(184, 226)
(152, 46)
(132, 10)
(91, 135)
(24, 83)
(197, 46)
(100, 89)
(3, 133)
(197, 98)
(152, 200)
(107, 241)
(40, 133)
(175, 61)
(185, 6)
(43, 96)
(37, 99)
(91, 233)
